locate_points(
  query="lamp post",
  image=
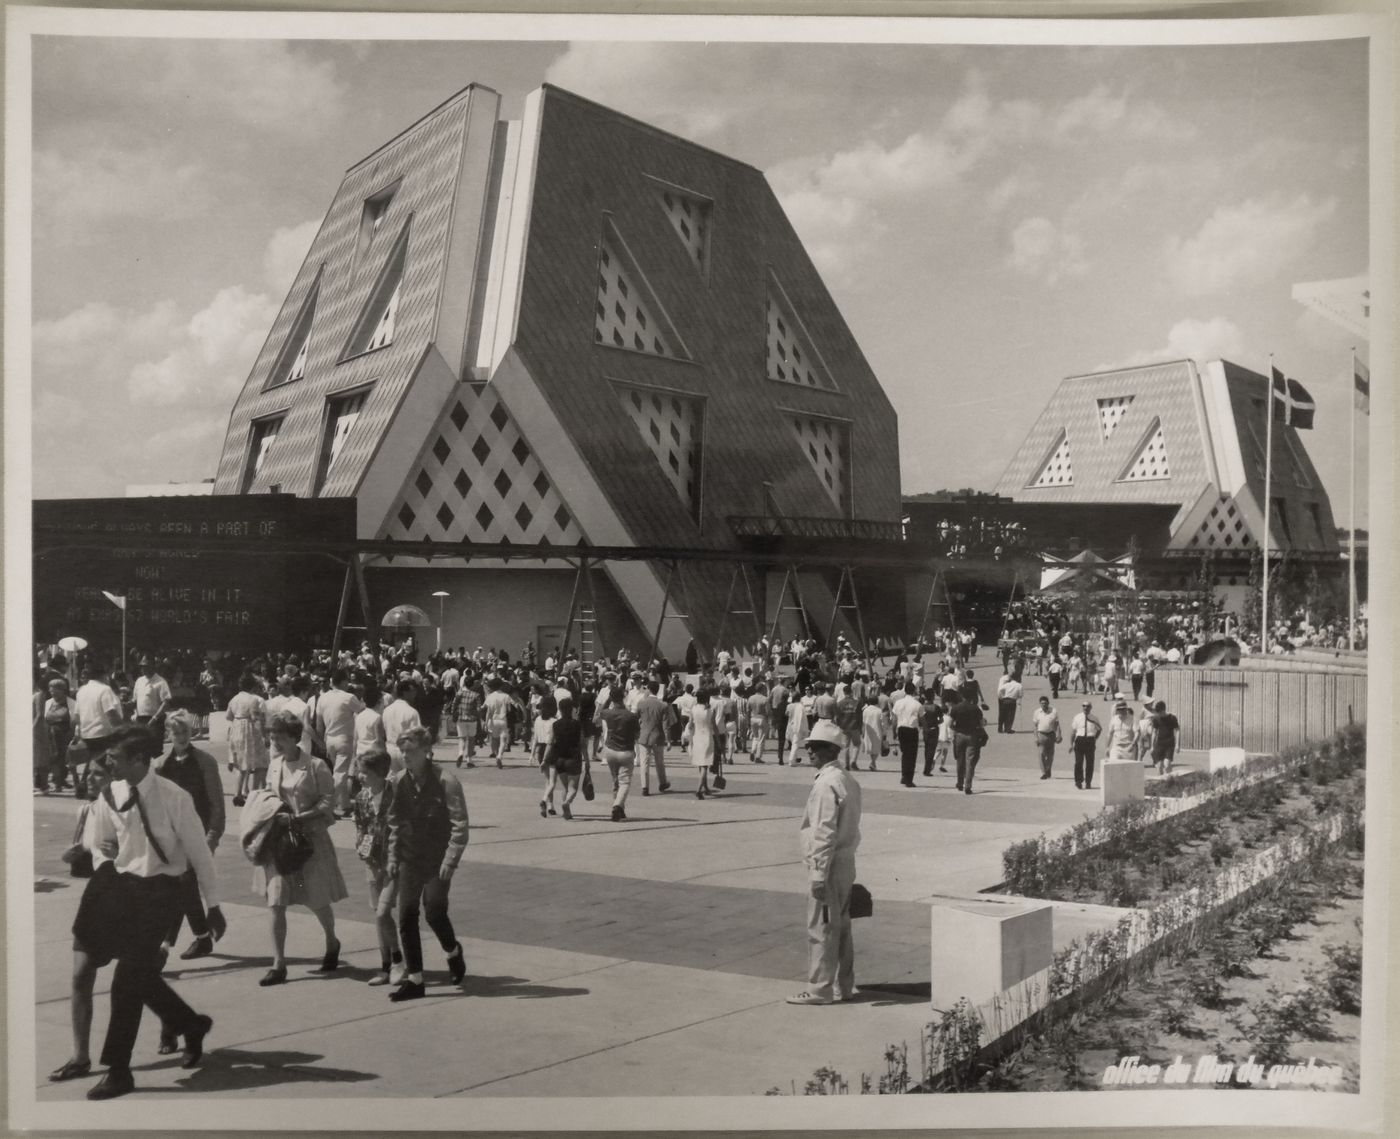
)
(440, 594)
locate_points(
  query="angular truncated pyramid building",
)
(1174, 433)
(569, 328)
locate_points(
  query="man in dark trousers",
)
(428, 830)
(144, 833)
(1084, 732)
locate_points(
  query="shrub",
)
(826, 1081)
(1205, 985)
(1222, 845)
(1342, 979)
(1123, 888)
(1266, 924)
(1174, 1015)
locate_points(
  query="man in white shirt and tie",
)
(144, 833)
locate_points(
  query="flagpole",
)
(1268, 507)
(1351, 523)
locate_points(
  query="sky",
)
(989, 219)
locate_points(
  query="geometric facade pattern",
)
(825, 443)
(622, 318)
(690, 218)
(791, 358)
(1151, 459)
(375, 327)
(1057, 469)
(669, 424)
(1224, 528)
(1111, 411)
(478, 481)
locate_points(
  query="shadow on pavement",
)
(475, 986)
(895, 993)
(48, 886)
(234, 1069)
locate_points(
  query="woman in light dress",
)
(305, 784)
(799, 723)
(872, 733)
(702, 737)
(247, 737)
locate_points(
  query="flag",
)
(119, 602)
(1293, 405)
(1362, 375)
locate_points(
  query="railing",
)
(848, 529)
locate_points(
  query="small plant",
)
(1174, 1016)
(1228, 955)
(1064, 1042)
(951, 1047)
(1007, 1074)
(1278, 1020)
(895, 1080)
(1123, 888)
(1205, 986)
(1342, 979)
(1268, 923)
(826, 1081)
(1222, 845)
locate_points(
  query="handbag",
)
(980, 737)
(291, 847)
(587, 787)
(719, 782)
(79, 859)
(862, 904)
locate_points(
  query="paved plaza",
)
(645, 958)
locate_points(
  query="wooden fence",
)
(1258, 709)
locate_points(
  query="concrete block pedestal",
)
(1122, 781)
(982, 947)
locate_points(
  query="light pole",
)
(440, 594)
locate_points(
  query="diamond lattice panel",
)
(621, 317)
(690, 218)
(1224, 528)
(790, 359)
(478, 481)
(1057, 470)
(670, 426)
(1151, 461)
(824, 444)
(1111, 411)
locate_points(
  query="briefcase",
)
(862, 904)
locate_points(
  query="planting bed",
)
(1137, 855)
(1294, 1002)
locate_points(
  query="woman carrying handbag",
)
(307, 788)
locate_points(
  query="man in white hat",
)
(830, 834)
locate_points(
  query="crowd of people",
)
(317, 739)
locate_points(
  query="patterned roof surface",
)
(1164, 396)
(424, 160)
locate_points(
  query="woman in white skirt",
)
(799, 724)
(305, 784)
(247, 737)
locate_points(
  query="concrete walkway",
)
(648, 958)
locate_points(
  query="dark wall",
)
(178, 597)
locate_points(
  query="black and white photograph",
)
(666, 572)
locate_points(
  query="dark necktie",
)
(137, 802)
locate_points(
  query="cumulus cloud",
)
(104, 184)
(1250, 241)
(1042, 249)
(1190, 339)
(210, 355)
(285, 252)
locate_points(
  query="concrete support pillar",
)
(982, 947)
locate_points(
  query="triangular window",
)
(262, 435)
(627, 313)
(689, 216)
(1224, 528)
(342, 413)
(826, 444)
(477, 480)
(375, 326)
(373, 219)
(670, 425)
(1150, 463)
(1058, 469)
(1111, 411)
(792, 358)
(291, 361)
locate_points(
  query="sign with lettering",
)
(238, 593)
